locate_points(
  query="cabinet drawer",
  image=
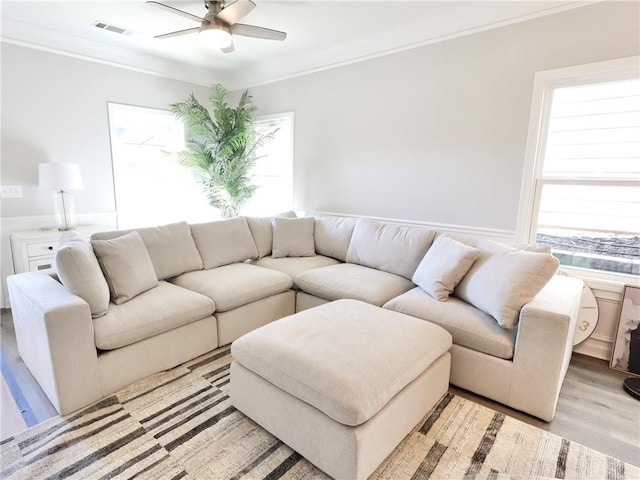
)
(41, 265)
(43, 248)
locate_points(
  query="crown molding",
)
(38, 38)
(284, 70)
(31, 36)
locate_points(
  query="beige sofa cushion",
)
(293, 237)
(235, 285)
(79, 271)
(348, 280)
(171, 248)
(332, 235)
(443, 266)
(153, 312)
(224, 242)
(503, 279)
(294, 266)
(469, 326)
(390, 248)
(306, 354)
(126, 266)
(262, 233)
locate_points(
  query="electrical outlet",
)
(11, 191)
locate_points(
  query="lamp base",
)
(65, 210)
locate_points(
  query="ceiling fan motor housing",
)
(215, 6)
(215, 24)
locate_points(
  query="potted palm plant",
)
(222, 147)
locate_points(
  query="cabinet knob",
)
(50, 248)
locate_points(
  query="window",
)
(581, 189)
(150, 187)
(273, 173)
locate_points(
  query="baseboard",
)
(597, 346)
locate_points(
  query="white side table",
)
(35, 250)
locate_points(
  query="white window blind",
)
(587, 190)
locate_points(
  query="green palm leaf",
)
(222, 147)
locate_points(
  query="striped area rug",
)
(181, 424)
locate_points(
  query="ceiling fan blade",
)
(178, 33)
(257, 32)
(228, 49)
(234, 12)
(176, 11)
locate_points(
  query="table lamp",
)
(62, 177)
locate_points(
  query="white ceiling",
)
(320, 34)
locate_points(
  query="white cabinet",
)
(34, 250)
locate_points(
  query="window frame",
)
(545, 82)
(112, 107)
(289, 115)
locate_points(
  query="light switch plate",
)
(11, 191)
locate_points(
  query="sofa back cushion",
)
(390, 248)
(293, 237)
(262, 233)
(503, 279)
(171, 248)
(79, 271)
(224, 242)
(126, 265)
(332, 235)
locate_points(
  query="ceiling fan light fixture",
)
(215, 36)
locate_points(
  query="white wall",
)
(438, 134)
(54, 109)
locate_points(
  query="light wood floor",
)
(593, 408)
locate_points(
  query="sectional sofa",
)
(128, 304)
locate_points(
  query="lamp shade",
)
(60, 176)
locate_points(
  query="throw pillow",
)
(293, 237)
(262, 231)
(79, 271)
(443, 266)
(503, 279)
(126, 265)
(224, 242)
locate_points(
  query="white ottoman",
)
(342, 383)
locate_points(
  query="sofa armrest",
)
(54, 332)
(544, 345)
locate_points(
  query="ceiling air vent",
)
(112, 28)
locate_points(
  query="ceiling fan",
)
(220, 23)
